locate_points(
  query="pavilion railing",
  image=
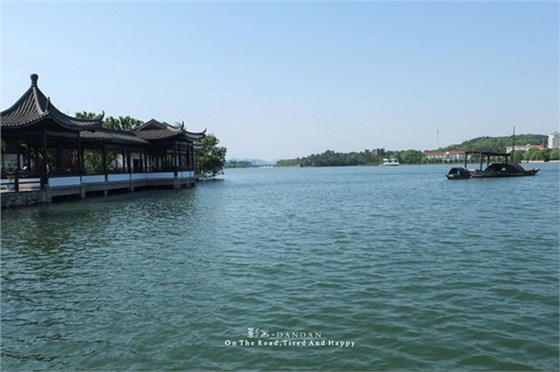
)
(26, 180)
(19, 180)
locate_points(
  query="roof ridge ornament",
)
(34, 78)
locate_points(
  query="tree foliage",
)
(122, 123)
(88, 115)
(211, 157)
(331, 158)
(410, 156)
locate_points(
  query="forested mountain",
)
(498, 144)
(375, 156)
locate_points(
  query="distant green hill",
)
(375, 157)
(498, 144)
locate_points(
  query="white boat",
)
(390, 162)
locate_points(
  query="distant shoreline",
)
(540, 161)
(381, 165)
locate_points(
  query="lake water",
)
(311, 268)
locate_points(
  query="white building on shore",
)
(445, 155)
(526, 147)
(554, 140)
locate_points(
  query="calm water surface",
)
(408, 271)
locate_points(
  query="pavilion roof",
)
(34, 107)
(154, 130)
(112, 136)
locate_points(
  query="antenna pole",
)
(513, 145)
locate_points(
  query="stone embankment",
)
(19, 199)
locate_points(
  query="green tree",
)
(289, 163)
(122, 123)
(410, 157)
(535, 154)
(211, 157)
(88, 115)
(517, 156)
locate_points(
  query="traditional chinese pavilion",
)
(47, 151)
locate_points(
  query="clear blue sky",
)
(286, 79)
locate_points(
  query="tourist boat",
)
(390, 162)
(498, 169)
(458, 173)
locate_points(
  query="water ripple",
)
(421, 273)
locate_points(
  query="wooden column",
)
(104, 157)
(80, 155)
(180, 154)
(128, 160)
(28, 157)
(44, 167)
(18, 155)
(192, 158)
(36, 169)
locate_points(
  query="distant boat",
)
(390, 162)
(499, 169)
(492, 170)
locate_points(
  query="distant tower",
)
(437, 138)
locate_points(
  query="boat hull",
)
(492, 174)
(455, 177)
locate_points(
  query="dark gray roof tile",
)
(112, 136)
(154, 130)
(34, 107)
